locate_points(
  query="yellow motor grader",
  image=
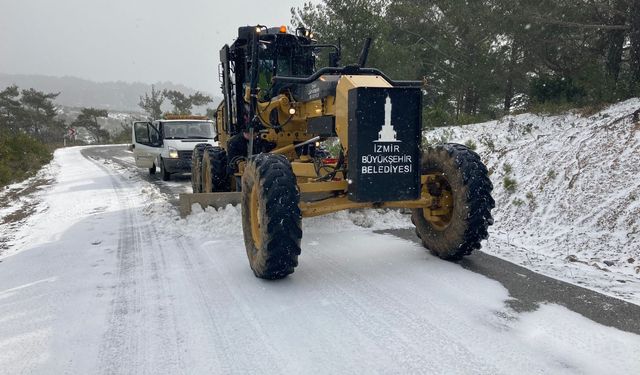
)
(279, 106)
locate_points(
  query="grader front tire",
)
(271, 218)
(462, 182)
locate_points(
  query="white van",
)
(168, 144)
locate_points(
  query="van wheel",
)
(166, 176)
(152, 170)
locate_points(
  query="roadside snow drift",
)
(567, 191)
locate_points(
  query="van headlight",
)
(173, 153)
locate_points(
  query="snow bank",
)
(567, 194)
(20, 202)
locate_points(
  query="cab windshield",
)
(283, 60)
(188, 130)
(285, 57)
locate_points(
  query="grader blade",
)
(217, 200)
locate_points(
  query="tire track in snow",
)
(165, 351)
(433, 319)
(211, 303)
(358, 298)
(139, 305)
(228, 313)
(120, 345)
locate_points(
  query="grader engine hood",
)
(384, 144)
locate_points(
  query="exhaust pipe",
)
(365, 53)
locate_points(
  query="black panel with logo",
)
(318, 89)
(384, 144)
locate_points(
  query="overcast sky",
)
(128, 40)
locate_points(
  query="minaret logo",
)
(387, 133)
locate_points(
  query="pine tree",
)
(181, 103)
(38, 115)
(88, 119)
(199, 99)
(10, 110)
(152, 103)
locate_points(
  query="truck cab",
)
(168, 143)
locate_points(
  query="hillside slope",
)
(573, 207)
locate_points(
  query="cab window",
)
(142, 133)
(146, 134)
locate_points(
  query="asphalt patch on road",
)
(529, 289)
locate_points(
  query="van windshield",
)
(188, 130)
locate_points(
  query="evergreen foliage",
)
(20, 156)
(28, 122)
(152, 103)
(182, 104)
(88, 119)
(484, 59)
(30, 112)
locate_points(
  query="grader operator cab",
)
(278, 106)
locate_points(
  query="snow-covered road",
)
(107, 279)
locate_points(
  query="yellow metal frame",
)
(296, 116)
(340, 201)
(296, 124)
(330, 205)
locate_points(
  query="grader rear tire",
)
(271, 218)
(196, 167)
(214, 170)
(464, 180)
